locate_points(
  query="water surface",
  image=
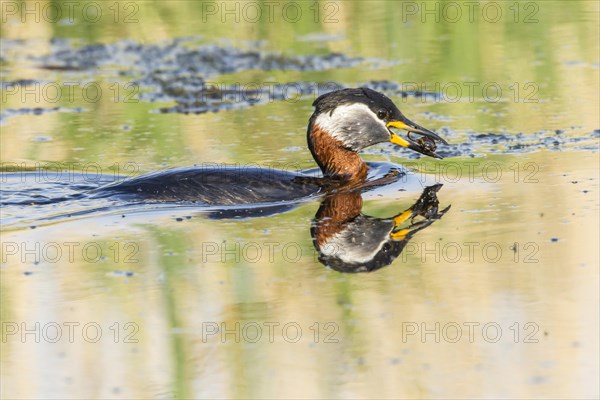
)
(499, 298)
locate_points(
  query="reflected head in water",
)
(349, 241)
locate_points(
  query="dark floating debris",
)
(121, 273)
(7, 85)
(194, 96)
(13, 112)
(202, 99)
(177, 57)
(516, 143)
(180, 71)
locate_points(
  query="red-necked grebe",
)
(344, 122)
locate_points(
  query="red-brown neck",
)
(333, 158)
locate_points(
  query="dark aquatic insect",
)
(344, 122)
(426, 143)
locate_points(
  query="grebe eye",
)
(382, 114)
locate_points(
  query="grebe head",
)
(346, 121)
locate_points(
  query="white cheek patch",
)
(347, 118)
(344, 248)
